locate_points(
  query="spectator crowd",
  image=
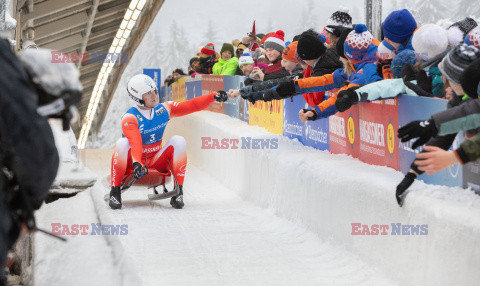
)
(344, 64)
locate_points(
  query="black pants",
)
(5, 235)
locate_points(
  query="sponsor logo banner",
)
(178, 90)
(344, 135)
(193, 87)
(378, 126)
(412, 108)
(212, 83)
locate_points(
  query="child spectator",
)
(227, 64)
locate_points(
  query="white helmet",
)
(139, 85)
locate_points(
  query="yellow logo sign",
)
(390, 138)
(139, 117)
(351, 130)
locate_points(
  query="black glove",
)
(221, 96)
(424, 130)
(315, 114)
(139, 171)
(286, 89)
(408, 73)
(403, 186)
(270, 95)
(424, 81)
(346, 98)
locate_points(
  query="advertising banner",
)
(193, 87)
(178, 90)
(344, 133)
(212, 83)
(378, 126)
(412, 108)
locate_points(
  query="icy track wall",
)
(328, 193)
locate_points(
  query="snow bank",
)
(72, 175)
(327, 193)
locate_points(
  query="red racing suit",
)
(142, 139)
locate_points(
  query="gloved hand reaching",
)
(346, 98)
(221, 96)
(286, 89)
(423, 130)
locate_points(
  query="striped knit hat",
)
(357, 43)
(340, 18)
(473, 38)
(457, 60)
(276, 41)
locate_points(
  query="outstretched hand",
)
(435, 159)
(221, 96)
(423, 130)
(307, 114)
(233, 93)
(346, 98)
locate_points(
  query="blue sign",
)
(155, 74)
(193, 88)
(293, 128)
(412, 108)
(231, 107)
(310, 133)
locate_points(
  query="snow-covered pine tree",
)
(178, 50)
(308, 19)
(431, 11)
(466, 8)
(211, 36)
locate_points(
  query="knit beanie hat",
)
(310, 46)
(429, 41)
(357, 43)
(457, 60)
(340, 18)
(289, 52)
(399, 25)
(209, 49)
(403, 58)
(340, 43)
(473, 38)
(458, 30)
(245, 59)
(276, 41)
(227, 47)
(470, 79)
(265, 37)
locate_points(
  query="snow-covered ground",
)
(264, 217)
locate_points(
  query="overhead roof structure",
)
(87, 27)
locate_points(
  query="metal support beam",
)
(88, 29)
(373, 17)
(135, 40)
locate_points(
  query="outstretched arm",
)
(177, 109)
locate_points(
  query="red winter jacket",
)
(313, 98)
